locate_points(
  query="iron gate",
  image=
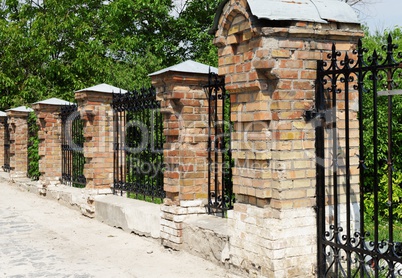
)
(220, 186)
(6, 166)
(357, 225)
(72, 143)
(138, 145)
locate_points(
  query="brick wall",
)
(270, 73)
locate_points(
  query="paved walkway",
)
(41, 238)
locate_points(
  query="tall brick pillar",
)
(269, 61)
(3, 122)
(96, 112)
(185, 108)
(49, 122)
(18, 127)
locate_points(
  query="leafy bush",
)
(383, 201)
(33, 147)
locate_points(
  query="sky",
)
(380, 15)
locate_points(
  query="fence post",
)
(270, 69)
(185, 108)
(18, 127)
(3, 137)
(49, 122)
(97, 115)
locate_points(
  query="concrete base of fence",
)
(76, 198)
(131, 215)
(207, 236)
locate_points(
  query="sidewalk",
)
(41, 238)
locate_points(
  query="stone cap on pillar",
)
(20, 110)
(321, 11)
(54, 101)
(188, 66)
(103, 88)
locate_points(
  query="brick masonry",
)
(18, 127)
(185, 108)
(49, 134)
(3, 158)
(270, 73)
(97, 116)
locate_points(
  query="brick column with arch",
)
(269, 62)
(49, 134)
(18, 127)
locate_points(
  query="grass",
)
(383, 229)
(145, 198)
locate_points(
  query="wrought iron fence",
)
(359, 233)
(138, 145)
(72, 138)
(220, 186)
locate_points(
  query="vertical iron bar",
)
(361, 156)
(334, 80)
(222, 149)
(152, 154)
(209, 143)
(347, 169)
(320, 171)
(70, 153)
(122, 150)
(389, 160)
(216, 147)
(115, 148)
(375, 155)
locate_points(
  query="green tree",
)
(194, 20)
(376, 53)
(52, 48)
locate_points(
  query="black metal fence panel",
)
(359, 233)
(220, 186)
(138, 145)
(72, 140)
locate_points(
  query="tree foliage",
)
(52, 48)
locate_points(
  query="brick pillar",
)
(185, 108)
(3, 122)
(270, 73)
(18, 126)
(96, 112)
(49, 122)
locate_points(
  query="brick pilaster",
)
(18, 127)
(3, 136)
(185, 108)
(50, 153)
(96, 112)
